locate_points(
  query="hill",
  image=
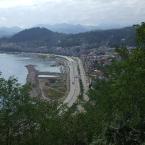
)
(43, 40)
(35, 34)
(77, 28)
(7, 32)
(69, 28)
(111, 38)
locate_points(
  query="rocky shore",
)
(45, 85)
(32, 79)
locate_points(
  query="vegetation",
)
(114, 115)
(81, 84)
(44, 40)
(119, 99)
(111, 38)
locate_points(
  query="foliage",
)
(141, 34)
(119, 99)
(28, 121)
(114, 115)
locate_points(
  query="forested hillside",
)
(35, 34)
(114, 114)
(44, 40)
(111, 38)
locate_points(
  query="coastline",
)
(43, 83)
(64, 87)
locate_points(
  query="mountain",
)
(34, 34)
(9, 31)
(113, 37)
(68, 28)
(110, 38)
(75, 29)
(43, 40)
(31, 40)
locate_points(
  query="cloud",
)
(3, 18)
(92, 12)
(14, 3)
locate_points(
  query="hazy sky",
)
(27, 13)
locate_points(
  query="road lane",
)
(74, 83)
(74, 80)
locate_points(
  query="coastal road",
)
(74, 80)
(74, 91)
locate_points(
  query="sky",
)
(28, 13)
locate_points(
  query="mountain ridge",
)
(9, 31)
(43, 40)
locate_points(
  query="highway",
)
(74, 91)
(74, 80)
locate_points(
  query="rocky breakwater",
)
(33, 81)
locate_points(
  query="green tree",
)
(119, 99)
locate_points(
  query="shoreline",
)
(41, 82)
(65, 88)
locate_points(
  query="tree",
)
(119, 99)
